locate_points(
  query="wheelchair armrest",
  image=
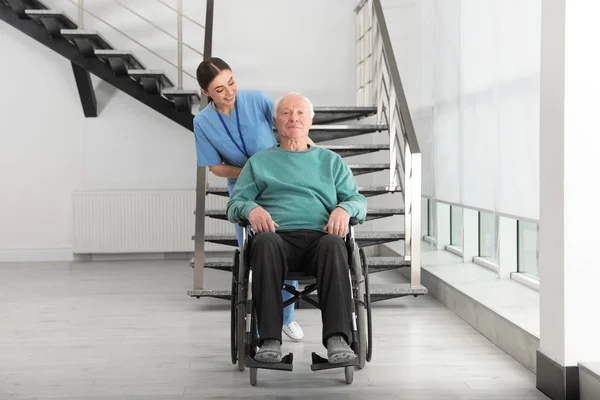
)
(353, 221)
(244, 223)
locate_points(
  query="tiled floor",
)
(127, 330)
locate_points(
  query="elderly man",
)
(299, 199)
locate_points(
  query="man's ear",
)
(274, 121)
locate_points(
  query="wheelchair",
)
(244, 332)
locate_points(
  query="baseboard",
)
(66, 254)
(133, 256)
(556, 381)
(589, 381)
(36, 255)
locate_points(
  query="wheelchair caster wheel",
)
(349, 372)
(253, 376)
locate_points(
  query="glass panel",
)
(527, 239)
(487, 235)
(456, 226)
(424, 217)
(432, 214)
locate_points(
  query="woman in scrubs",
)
(235, 125)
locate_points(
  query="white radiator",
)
(140, 221)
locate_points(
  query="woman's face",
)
(222, 89)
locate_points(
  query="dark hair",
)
(209, 69)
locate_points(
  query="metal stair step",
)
(113, 53)
(179, 92)
(372, 213)
(378, 292)
(219, 293)
(146, 73)
(321, 133)
(376, 264)
(36, 13)
(84, 33)
(151, 73)
(328, 115)
(360, 169)
(222, 264)
(364, 239)
(366, 191)
(347, 150)
(369, 191)
(349, 127)
(124, 54)
(79, 33)
(174, 92)
(44, 13)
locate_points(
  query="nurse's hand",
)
(338, 222)
(261, 220)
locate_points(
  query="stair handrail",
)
(378, 83)
(82, 10)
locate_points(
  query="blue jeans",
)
(288, 312)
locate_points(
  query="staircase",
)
(334, 123)
(89, 53)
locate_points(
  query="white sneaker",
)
(293, 331)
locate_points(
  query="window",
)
(487, 235)
(527, 248)
(425, 217)
(456, 226)
(431, 213)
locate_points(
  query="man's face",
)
(293, 119)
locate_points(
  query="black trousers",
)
(317, 253)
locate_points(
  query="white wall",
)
(48, 149)
(471, 74)
(288, 45)
(569, 271)
(307, 44)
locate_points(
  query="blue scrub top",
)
(213, 145)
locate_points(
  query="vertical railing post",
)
(392, 129)
(80, 14)
(180, 44)
(415, 244)
(201, 172)
(356, 73)
(408, 203)
(366, 77)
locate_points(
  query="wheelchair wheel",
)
(234, 298)
(253, 376)
(349, 372)
(363, 259)
(361, 320)
(241, 315)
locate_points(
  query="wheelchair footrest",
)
(319, 363)
(286, 364)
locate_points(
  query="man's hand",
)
(338, 222)
(261, 220)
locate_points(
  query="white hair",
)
(310, 106)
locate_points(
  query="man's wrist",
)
(342, 208)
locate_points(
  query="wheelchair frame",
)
(244, 337)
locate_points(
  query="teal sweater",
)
(299, 189)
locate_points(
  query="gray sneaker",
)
(338, 351)
(269, 352)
